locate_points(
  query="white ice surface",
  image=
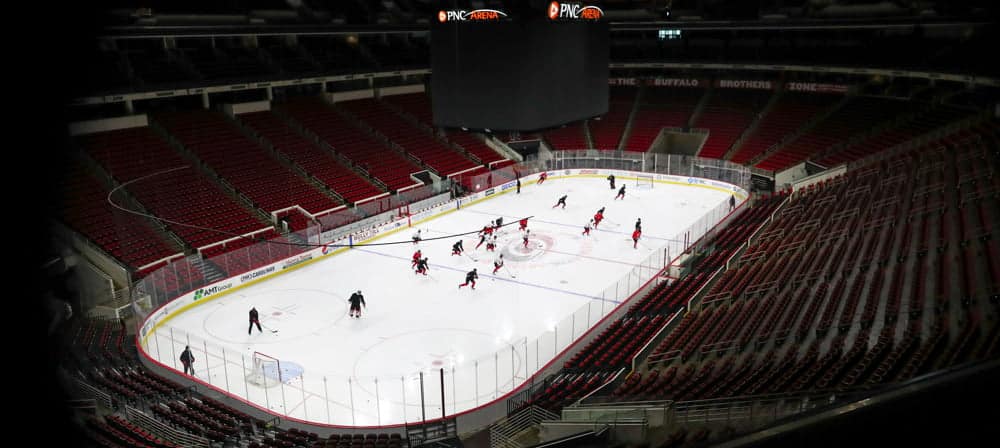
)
(501, 330)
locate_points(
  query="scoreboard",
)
(519, 70)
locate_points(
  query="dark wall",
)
(518, 75)
(960, 413)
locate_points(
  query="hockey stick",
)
(470, 256)
(269, 328)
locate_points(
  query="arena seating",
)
(659, 108)
(786, 116)
(813, 305)
(219, 144)
(333, 54)
(315, 160)
(155, 66)
(607, 131)
(921, 123)
(416, 141)
(726, 115)
(347, 139)
(570, 136)
(860, 114)
(418, 105)
(476, 147)
(129, 238)
(186, 195)
(115, 431)
(233, 63)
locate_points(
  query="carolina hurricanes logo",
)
(442, 16)
(553, 10)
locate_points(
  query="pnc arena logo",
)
(478, 15)
(574, 11)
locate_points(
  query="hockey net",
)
(265, 371)
(644, 181)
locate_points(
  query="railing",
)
(97, 394)
(167, 432)
(504, 433)
(756, 411)
(317, 396)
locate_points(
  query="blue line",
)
(629, 234)
(497, 278)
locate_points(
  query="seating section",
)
(318, 162)
(860, 114)
(127, 237)
(115, 431)
(418, 105)
(659, 108)
(243, 163)
(233, 63)
(726, 115)
(350, 141)
(607, 131)
(414, 140)
(789, 113)
(475, 146)
(361, 441)
(918, 124)
(570, 136)
(875, 276)
(159, 67)
(184, 196)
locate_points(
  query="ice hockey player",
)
(188, 360)
(470, 277)
(491, 245)
(562, 201)
(611, 178)
(638, 224)
(621, 193)
(421, 266)
(457, 249)
(356, 301)
(732, 202)
(598, 217)
(416, 237)
(524, 223)
(254, 319)
(416, 258)
(587, 227)
(482, 239)
(499, 222)
(542, 177)
(635, 238)
(524, 235)
(497, 263)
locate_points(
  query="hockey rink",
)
(366, 372)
